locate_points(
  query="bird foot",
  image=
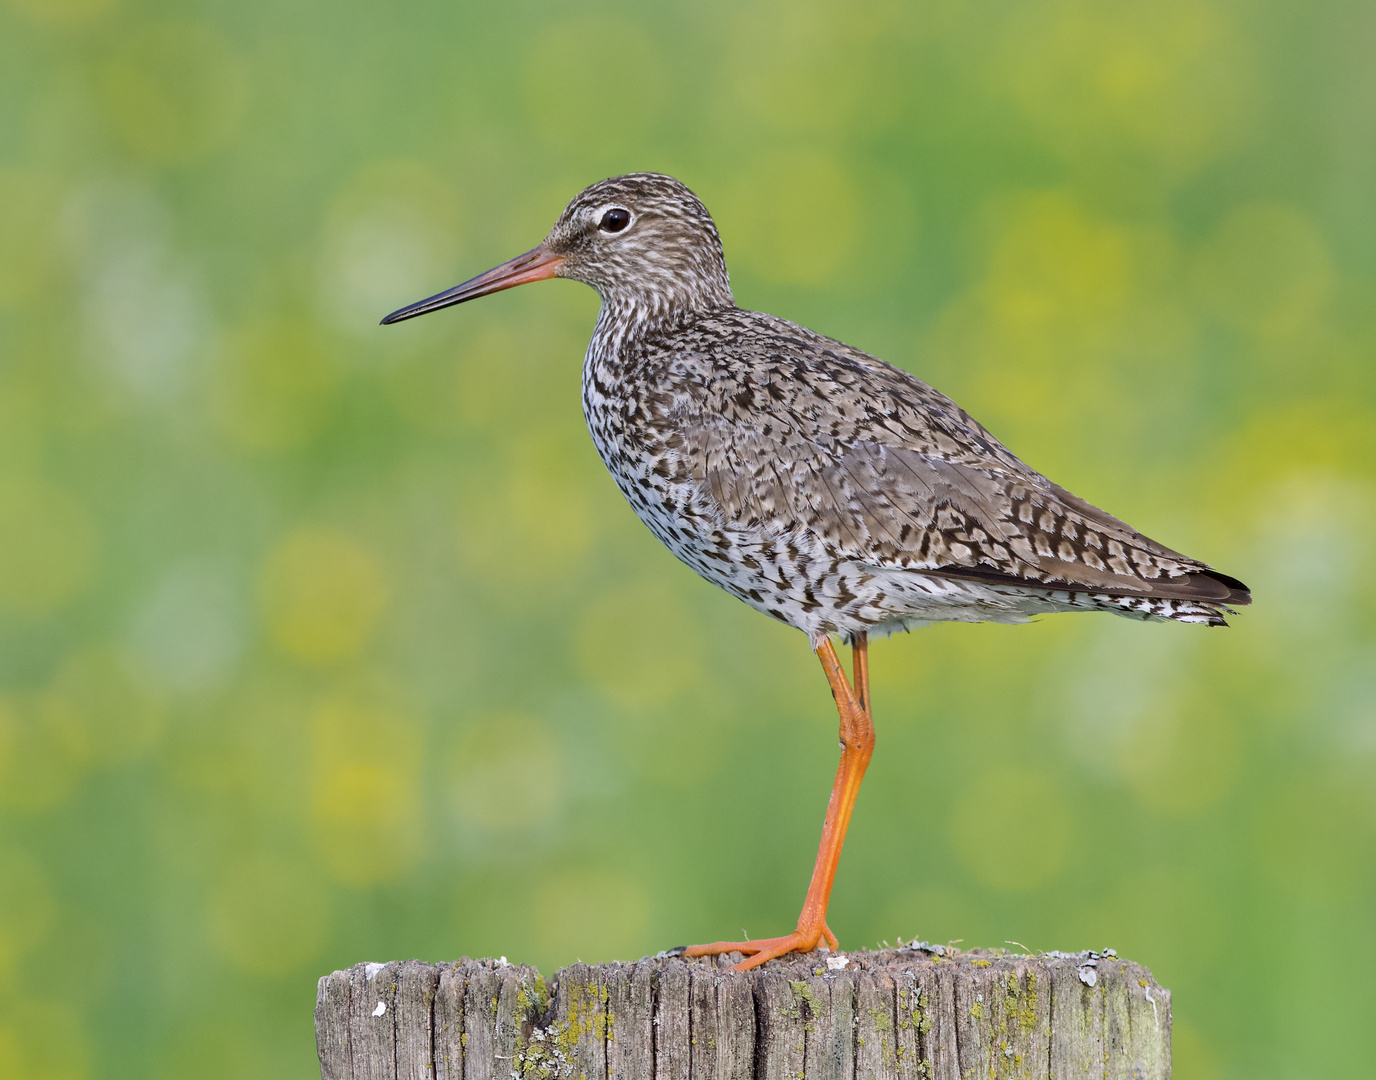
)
(802, 940)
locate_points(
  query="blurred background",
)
(321, 642)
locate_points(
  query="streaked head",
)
(643, 241)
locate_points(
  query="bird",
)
(822, 486)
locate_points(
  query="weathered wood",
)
(671, 1022)
(446, 1025)
(917, 1013)
(631, 1040)
(414, 1002)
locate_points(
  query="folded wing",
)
(917, 485)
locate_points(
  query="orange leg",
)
(857, 744)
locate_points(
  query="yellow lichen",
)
(1022, 1004)
(587, 1016)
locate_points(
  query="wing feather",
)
(901, 477)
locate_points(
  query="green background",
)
(322, 642)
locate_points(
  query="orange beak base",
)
(534, 265)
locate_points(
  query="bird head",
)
(643, 241)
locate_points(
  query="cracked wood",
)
(902, 1014)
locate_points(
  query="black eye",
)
(615, 219)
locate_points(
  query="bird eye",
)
(614, 220)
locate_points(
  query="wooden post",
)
(917, 1013)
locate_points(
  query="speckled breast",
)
(789, 576)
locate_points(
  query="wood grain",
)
(900, 1014)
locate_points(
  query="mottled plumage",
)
(819, 484)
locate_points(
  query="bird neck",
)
(627, 317)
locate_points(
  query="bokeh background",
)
(321, 642)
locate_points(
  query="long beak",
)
(534, 265)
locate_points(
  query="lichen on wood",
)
(915, 1013)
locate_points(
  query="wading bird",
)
(822, 486)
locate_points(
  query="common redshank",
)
(819, 484)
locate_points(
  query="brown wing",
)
(899, 476)
(890, 506)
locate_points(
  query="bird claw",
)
(762, 950)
